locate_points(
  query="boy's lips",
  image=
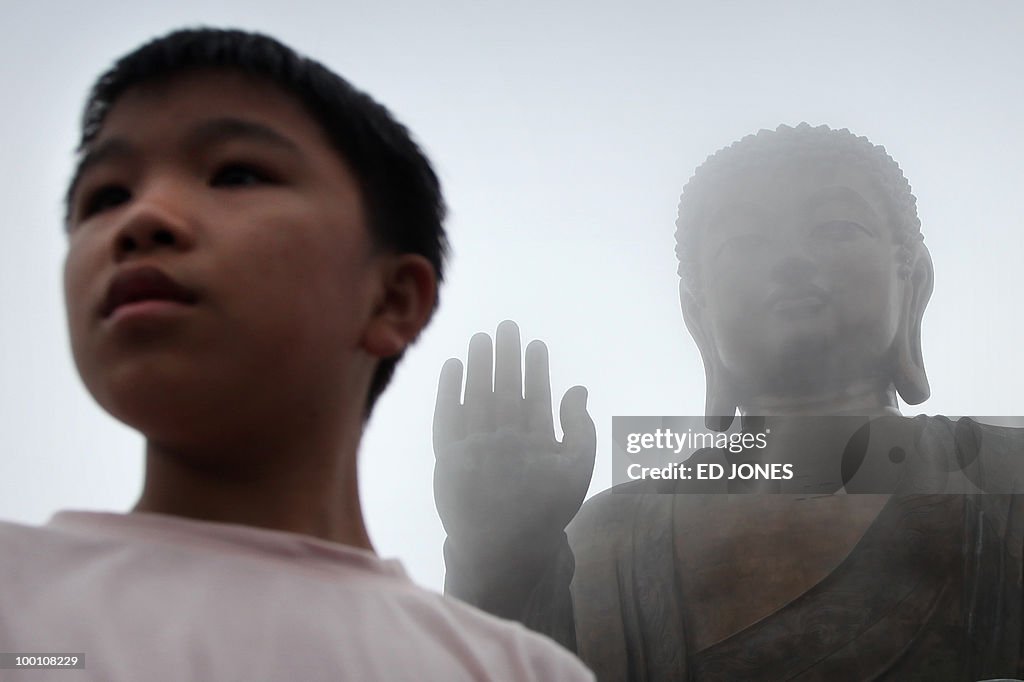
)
(143, 283)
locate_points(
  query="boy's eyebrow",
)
(206, 133)
(107, 150)
(230, 128)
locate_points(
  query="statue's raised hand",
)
(504, 486)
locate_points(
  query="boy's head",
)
(290, 225)
(802, 268)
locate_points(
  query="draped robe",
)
(932, 591)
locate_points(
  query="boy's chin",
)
(171, 416)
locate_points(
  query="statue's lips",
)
(804, 301)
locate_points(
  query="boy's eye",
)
(104, 198)
(239, 175)
(840, 230)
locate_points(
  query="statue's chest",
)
(741, 557)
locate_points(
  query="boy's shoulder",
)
(532, 655)
(352, 610)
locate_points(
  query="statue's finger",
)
(538, 390)
(479, 396)
(508, 376)
(448, 418)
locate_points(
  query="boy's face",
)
(224, 184)
(799, 270)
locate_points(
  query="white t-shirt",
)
(152, 597)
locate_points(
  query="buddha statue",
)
(804, 280)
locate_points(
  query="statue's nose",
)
(792, 270)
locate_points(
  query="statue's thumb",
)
(577, 426)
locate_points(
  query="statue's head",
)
(802, 269)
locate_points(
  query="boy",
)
(252, 243)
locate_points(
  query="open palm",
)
(502, 482)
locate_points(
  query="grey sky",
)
(563, 133)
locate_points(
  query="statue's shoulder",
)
(614, 512)
(1007, 439)
(988, 456)
(621, 499)
(969, 435)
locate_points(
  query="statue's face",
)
(799, 270)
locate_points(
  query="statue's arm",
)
(505, 488)
(533, 593)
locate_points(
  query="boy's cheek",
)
(76, 288)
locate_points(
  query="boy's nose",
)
(149, 226)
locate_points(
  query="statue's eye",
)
(743, 244)
(840, 230)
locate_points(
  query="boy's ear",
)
(405, 305)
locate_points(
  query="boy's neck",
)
(308, 486)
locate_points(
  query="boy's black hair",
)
(403, 195)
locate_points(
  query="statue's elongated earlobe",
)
(909, 373)
(720, 405)
(720, 402)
